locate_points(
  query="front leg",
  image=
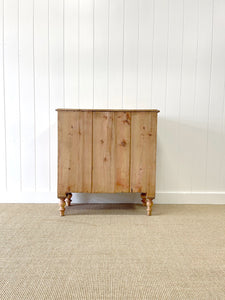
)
(149, 204)
(62, 205)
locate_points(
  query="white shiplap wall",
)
(165, 54)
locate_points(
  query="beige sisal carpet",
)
(108, 251)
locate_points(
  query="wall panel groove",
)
(3, 150)
(165, 54)
(11, 87)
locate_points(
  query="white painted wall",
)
(165, 54)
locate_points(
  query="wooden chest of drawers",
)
(106, 151)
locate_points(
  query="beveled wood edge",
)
(107, 110)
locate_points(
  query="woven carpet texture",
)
(112, 251)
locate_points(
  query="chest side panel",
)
(74, 151)
(143, 152)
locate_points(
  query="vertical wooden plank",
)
(115, 80)
(56, 81)
(103, 152)
(122, 151)
(201, 109)
(86, 53)
(187, 95)
(143, 152)
(173, 93)
(12, 98)
(130, 63)
(145, 52)
(27, 94)
(41, 67)
(101, 19)
(3, 172)
(74, 167)
(215, 137)
(71, 23)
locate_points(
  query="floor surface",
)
(112, 251)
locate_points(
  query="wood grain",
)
(143, 153)
(106, 152)
(103, 152)
(111, 152)
(122, 151)
(74, 152)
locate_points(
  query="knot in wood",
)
(126, 122)
(123, 143)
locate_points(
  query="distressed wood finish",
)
(143, 153)
(103, 152)
(122, 151)
(106, 151)
(111, 152)
(74, 152)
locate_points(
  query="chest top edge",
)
(108, 110)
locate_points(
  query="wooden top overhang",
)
(102, 110)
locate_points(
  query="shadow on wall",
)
(190, 156)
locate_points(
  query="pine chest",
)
(106, 151)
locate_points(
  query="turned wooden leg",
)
(68, 199)
(149, 204)
(62, 205)
(143, 198)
